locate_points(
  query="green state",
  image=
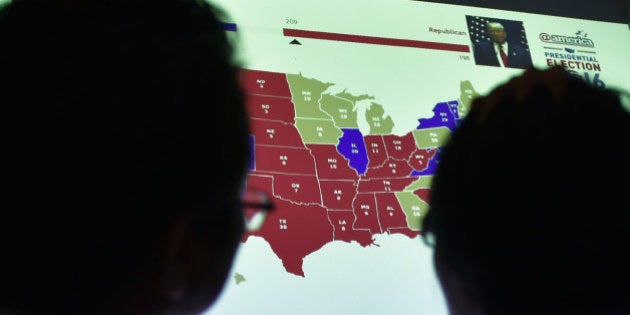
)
(306, 94)
(319, 131)
(239, 278)
(414, 208)
(352, 98)
(432, 137)
(342, 108)
(379, 124)
(467, 95)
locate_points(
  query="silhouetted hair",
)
(118, 116)
(530, 200)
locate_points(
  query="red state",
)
(270, 107)
(391, 168)
(260, 182)
(385, 184)
(390, 212)
(297, 188)
(265, 83)
(294, 231)
(400, 147)
(376, 151)
(342, 222)
(275, 133)
(285, 160)
(338, 194)
(424, 194)
(420, 158)
(330, 163)
(404, 231)
(364, 208)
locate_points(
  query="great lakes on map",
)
(329, 180)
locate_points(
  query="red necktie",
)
(503, 55)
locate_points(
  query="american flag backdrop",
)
(514, 29)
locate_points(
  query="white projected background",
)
(350, 102)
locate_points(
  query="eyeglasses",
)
(256, 204)
(428, 238)
(427, 234)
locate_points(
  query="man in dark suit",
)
(498, 52)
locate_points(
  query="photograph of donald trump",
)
(498, 43)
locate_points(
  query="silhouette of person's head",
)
(125, 146)
(529, 203)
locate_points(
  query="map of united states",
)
(329, 180)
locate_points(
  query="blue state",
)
(445, 114)
(352, 147)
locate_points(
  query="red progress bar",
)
(375, 40)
